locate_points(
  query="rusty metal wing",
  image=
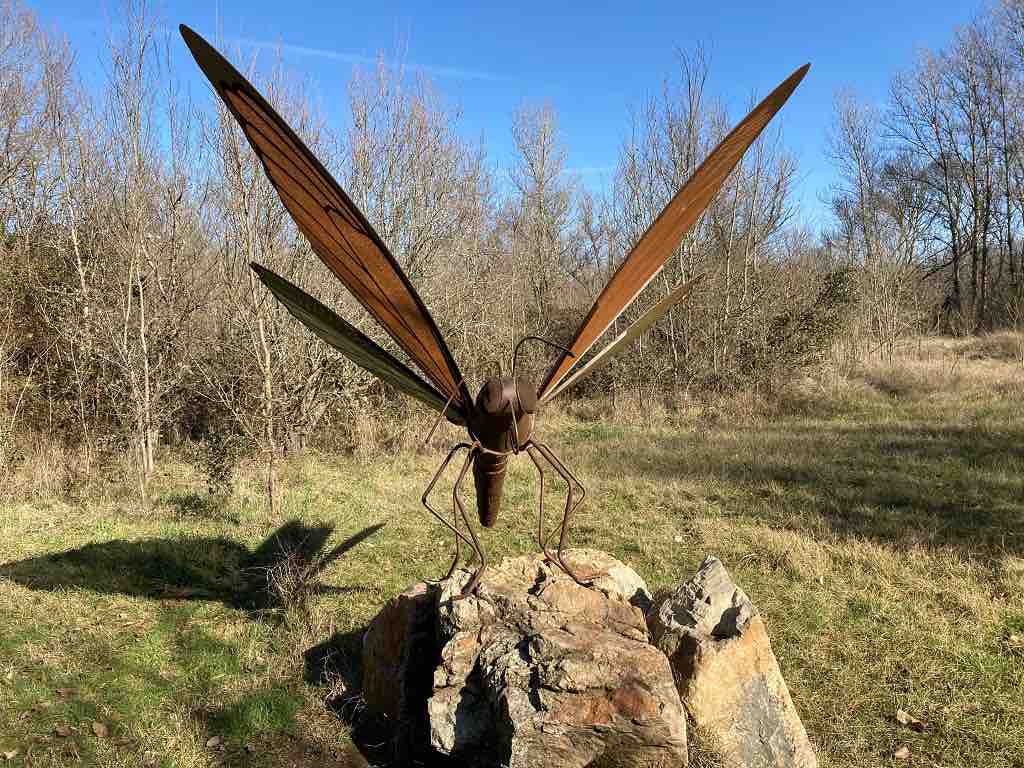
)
(347, 339)
(337, 230)
(664, 235)
(628, 336)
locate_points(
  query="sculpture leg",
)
(570, 507)
(455, 518)
(477, 549)
(542, 539)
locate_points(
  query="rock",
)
(726, 673)
(533, 669)
(400, 653)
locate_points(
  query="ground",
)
(876, 519)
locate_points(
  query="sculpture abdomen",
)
(489, 479)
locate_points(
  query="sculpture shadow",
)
(190, 567)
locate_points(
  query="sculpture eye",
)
(527, 394)
(492, 397)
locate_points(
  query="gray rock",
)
(709, 605)
(400, 652)
(533, 669)
(726, 672)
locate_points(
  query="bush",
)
(802, 338)
(218, 456)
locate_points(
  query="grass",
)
(877, 521)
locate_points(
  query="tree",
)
(736, 242)
(882, 220)
(542, 211)
(152, 277)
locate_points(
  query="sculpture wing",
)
(624, 339)
(336, 229)
(357, 347)
(663, 236)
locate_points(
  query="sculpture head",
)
(505, 411)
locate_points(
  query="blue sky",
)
(593, 61)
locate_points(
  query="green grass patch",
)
(878, 524)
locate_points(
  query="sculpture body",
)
(500, 421)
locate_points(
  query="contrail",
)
(457, 73)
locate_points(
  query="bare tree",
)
(150, 280)
(946, 116)
(736, 242)
(427, 192)
(260, 367)
(543, 210)
(883, 220)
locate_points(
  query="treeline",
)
(130, 321)
(933, 184)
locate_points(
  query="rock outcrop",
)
(534, 669)
(531, 670)
(726, 673)
(400, 653)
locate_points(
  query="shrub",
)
(218, 456)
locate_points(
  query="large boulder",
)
(400, 653)
(532, 669)
(726, 673)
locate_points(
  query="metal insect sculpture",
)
(500, 421)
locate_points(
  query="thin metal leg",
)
(454, 528)
(542, 539)
(456, 506)
(570, 506)
(478, 550)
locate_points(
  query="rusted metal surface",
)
(489, 478)
(500, 422)
(348, 340)
(664, 235)
(336, 229)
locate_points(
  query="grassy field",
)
(877, 521)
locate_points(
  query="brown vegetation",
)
(131, 214)
(132, 325)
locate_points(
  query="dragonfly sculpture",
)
(500, 421)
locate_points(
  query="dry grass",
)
(878, 522)
(1004, 346)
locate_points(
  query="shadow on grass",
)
(896, 483)
(172, 660)
(261, 728)
(189, 568)
(252, 725)
(336, 664)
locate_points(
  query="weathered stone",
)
(537, 670)
(400, 653)
(726, 673)
(531, 670)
